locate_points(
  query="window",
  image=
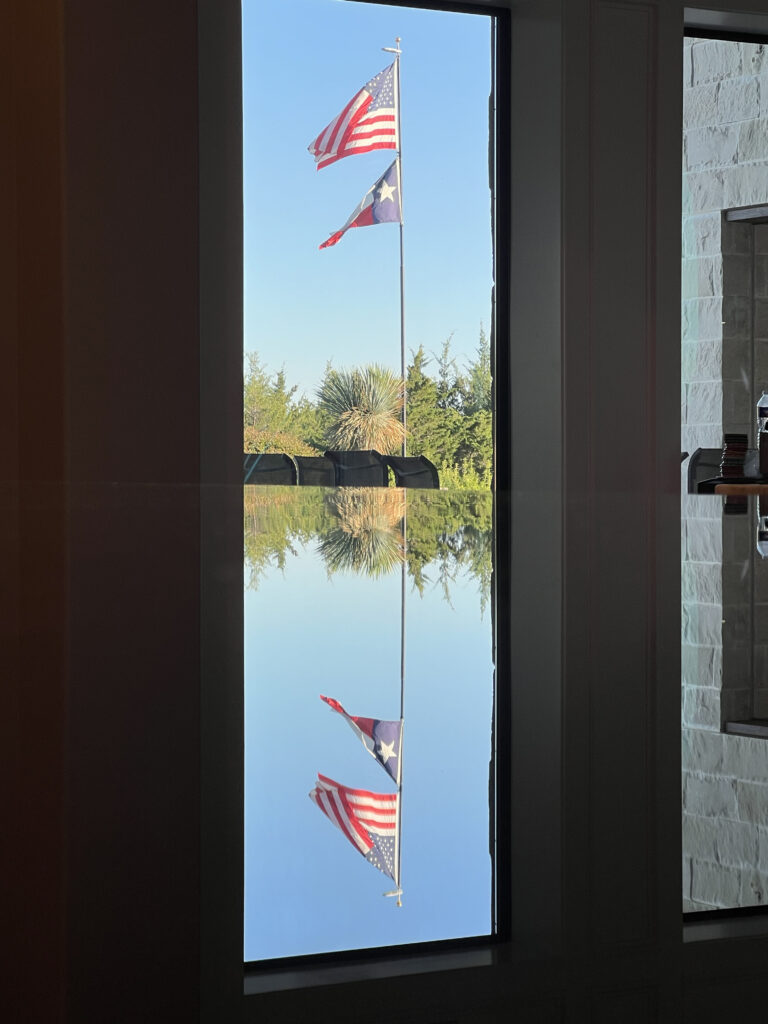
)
(378, 597)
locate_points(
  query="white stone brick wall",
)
(725, 820)
(724, 359)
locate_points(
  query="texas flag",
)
(379, 205)
(382, 739)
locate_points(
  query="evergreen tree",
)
(450, 417)
(274, 420)
(425, 423)
(478, 396)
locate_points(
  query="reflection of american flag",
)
(368, 820)
(367, 122)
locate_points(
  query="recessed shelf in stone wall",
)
(704, 478)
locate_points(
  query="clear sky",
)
(302, 62)
(307, 890)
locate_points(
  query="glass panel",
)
(323, 616)
(725, 577)
(364, 585)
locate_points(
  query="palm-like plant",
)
(364, 404)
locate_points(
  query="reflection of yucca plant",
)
(364, 405)
(368, 538)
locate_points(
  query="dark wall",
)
(131, 252)
(107, 522)
(33, 590)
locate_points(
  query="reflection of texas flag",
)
(380, 205)
(381, 738)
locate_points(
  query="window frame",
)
(450, 954)
(220, 264)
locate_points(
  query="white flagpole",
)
(397, 51)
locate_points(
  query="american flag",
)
(368, 820)
(367, 122)
(381, 738)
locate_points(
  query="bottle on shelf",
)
(762, 431)
(762, 413)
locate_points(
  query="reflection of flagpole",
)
(397, 51)
(398, 818)
(403, 575)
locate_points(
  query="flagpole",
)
(403, 577)
(397, 51)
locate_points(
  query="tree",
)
(266, 403)
(432, 423)
(450, 418)
(363, 406)
(450, 415)
(424, 420)
(274, 420)
(275, 441)
(478, 396)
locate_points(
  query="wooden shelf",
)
(748, 488)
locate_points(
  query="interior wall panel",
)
(621, 506)
(33, 562)
(622, 480)
(630, 1006)
(221, 509)
(132, 387)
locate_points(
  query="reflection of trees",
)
(359, 530)
(366, 536)
(277, 519)
(450, 534)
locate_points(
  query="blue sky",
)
(303, 307)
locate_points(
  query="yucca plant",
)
(365, 406)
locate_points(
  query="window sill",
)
(749, 727)
(739, 923)
(260, 980)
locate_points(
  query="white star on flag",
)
(387, 192)
(387, 750)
